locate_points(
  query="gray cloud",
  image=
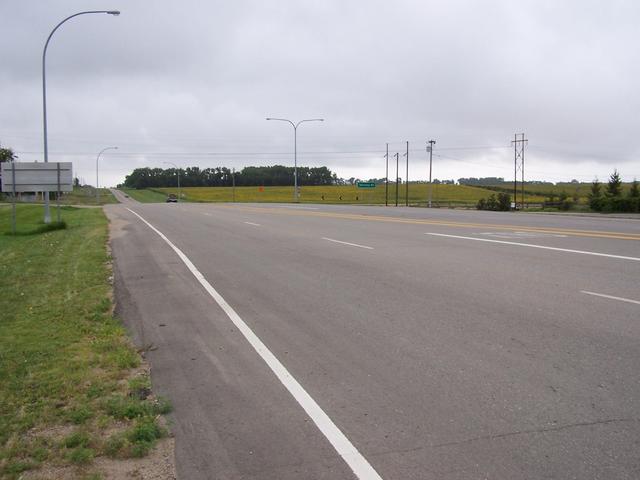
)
(190, 81)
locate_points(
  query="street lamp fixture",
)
(47, 215)
(97, 184)
(296, 193)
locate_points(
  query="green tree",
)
(634, 191)
(7, 155)
(614, 187)
(595, 196)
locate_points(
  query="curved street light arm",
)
(44, 59)
(283, 120)
(310, 120)
(47, 215)
(97, 160)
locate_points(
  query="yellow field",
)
(348, 194)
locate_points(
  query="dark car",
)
(172, 198)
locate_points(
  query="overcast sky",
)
(191, 82)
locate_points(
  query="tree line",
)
(276, 175)
(611, 198)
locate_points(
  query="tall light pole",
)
(47, 214)
(178, 171)
(430, 150)
(97, 184)
(296, 195)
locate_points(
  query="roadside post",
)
(13, 207)
(58, 190)
(367, 186)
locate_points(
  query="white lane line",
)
(207, 214)
(583, 252)
(358, 464)
(254, 224)
(628, 300)
(300, 208)
(347, 243)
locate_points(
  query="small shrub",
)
(503, 202)
(114, 445)
(76, 439)
(80, 414)
(15, 468)
(81, 456)
(146, 430)
(141, 449)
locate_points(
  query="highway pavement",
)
(344, 342)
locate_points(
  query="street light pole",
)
(47, 214)
(430, 150)
(97, 184)
(178, 171)
(296, 195)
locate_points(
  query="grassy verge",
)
(79, 196)
(146, 196)
(71, 386)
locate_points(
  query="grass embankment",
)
(146, 196)
(67, 367)
(87, 196)
(79, 196)
(443, 195)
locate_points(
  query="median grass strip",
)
(72, 387)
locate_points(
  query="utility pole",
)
(406, 180)
(518, 164)
(430, 150)
(233, 183)
(386, 180)
(397, 155)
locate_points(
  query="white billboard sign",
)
(37, 177)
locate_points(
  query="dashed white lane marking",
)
(299, 208)
(358, 464)
(530, 245)
(611, 297)
(347, 243)
(254, 224)
(515, 235)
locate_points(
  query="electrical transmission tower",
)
(518, 165)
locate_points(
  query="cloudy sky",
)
(191, 82)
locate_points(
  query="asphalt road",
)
(442, 344)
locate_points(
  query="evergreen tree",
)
(614, 187)
(595, 196)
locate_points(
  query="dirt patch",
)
(158, 465)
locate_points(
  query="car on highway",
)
(172, 198)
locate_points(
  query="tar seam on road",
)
(621, 299)
(597, 254)
(347, 243)
(358, 464)
(254, 224)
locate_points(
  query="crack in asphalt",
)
(511, 434)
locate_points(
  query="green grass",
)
(443, 195)
(79, 196)
(145, 196)
(87, 196)
(64, 358)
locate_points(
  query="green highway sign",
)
(366, 185)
